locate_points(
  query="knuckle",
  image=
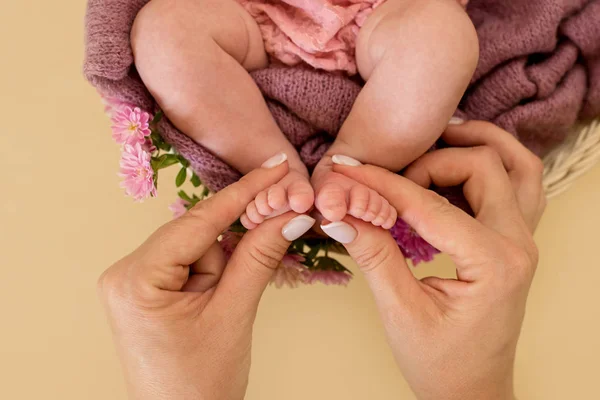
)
(266, 255)
(433, 198)
(521, 263)
(518, 258)
(535, 165)
(372, 256)
(199, 208)
(487, 155)
(109, 283)
(437, 205)
(102, 284)
(200, 213)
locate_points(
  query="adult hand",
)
(181, 316)
(455, 338)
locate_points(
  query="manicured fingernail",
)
(297, 227)
(345, 160)
(340, 231)
(456, 121)
(274, 161)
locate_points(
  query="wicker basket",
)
(572, 158)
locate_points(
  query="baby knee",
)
(166, 26)
(159, 24)
(401, 25)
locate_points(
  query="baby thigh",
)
(188, 51)
(417, 57)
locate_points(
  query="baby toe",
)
(375, 203)
(331, 202)
(253, 214)
(276, 197)
(359, 201)
(262, 204)
(391, 220)
(247, 223)
(301, 196)
(384, 213)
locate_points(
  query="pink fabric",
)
(321, 33)
(539, 71)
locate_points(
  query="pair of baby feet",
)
(334, 195)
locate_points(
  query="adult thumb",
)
(255, 260)
(378, 257)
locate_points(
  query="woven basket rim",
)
(573, 158)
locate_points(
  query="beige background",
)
(63, 220)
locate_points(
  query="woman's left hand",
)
(183, 335)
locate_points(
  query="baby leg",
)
(417, 57)
(193, 55)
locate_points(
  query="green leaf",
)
(157, 117)
(155, 136)
(298, 246)
(155, 179)
(338, 248)
(183, 161)
(195, 180)
(308, 262)
(180, 179)
(158, 141)
(164, 146)
(205, 192)
(164, 161)
(313, 252)
(237, 227)
(184, 196)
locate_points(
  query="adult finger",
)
(379, 258)
(186, 239)
(255, 260)
(446, 227)
(524, 168)
(206, 272)
(486, 185)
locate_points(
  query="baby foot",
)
(338, 195)
(293, 192)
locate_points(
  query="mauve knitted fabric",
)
(539, 71)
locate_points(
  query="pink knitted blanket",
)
(539, 72)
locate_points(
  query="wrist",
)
(484, 393)
(490, 384)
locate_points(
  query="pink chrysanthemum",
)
(130, 126)
(412, 245)
(290, 272)
(179, 207)
(112, 104)
(137, 173)
(328, 277)
(229, 241)
(148, 146)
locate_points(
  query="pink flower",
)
(179, 207)
(137, 173)
(112, 104)
(412, 245)
(328, 277)
(290, 272)
(130, 126)
(148, 146)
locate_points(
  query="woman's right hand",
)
(456, 338)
